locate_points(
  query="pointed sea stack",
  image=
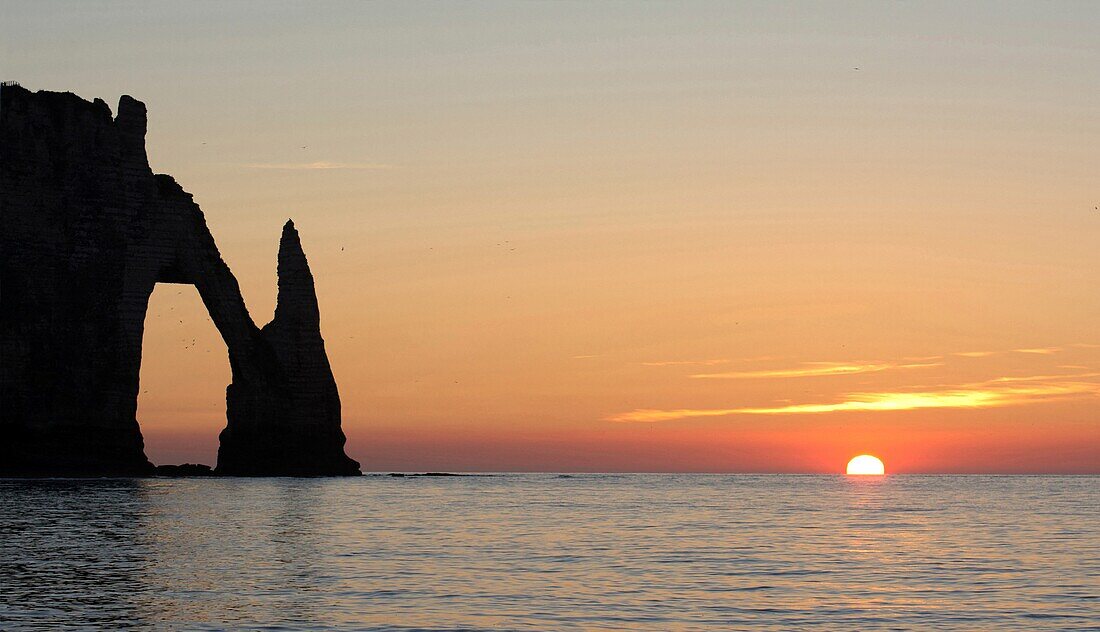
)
(292, 427)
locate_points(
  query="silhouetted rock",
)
(88, 230)
(187, 469)
(294, 430)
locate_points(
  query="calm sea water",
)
(548, 552)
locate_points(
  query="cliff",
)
(88, 230)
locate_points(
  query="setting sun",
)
(866, 465)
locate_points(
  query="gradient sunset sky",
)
(758, 237)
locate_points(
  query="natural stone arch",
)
(90, 230)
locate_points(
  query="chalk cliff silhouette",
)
(87, 231)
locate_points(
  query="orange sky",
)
(640, 237)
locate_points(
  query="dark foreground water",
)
(543, 552)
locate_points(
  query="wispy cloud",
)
(1030, 350)
(1040, 378)
(1003, 391)
(321, 166)
(815, 369)
(686, 363)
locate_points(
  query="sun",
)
(866, 465)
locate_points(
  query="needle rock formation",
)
(88, 230)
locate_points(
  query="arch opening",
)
(183, 374)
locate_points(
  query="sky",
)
(577, 236)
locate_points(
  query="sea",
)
(552, 552)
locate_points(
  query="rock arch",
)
(88, 231)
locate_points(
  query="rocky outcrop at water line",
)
(186, 470)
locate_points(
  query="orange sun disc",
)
(866, 465)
